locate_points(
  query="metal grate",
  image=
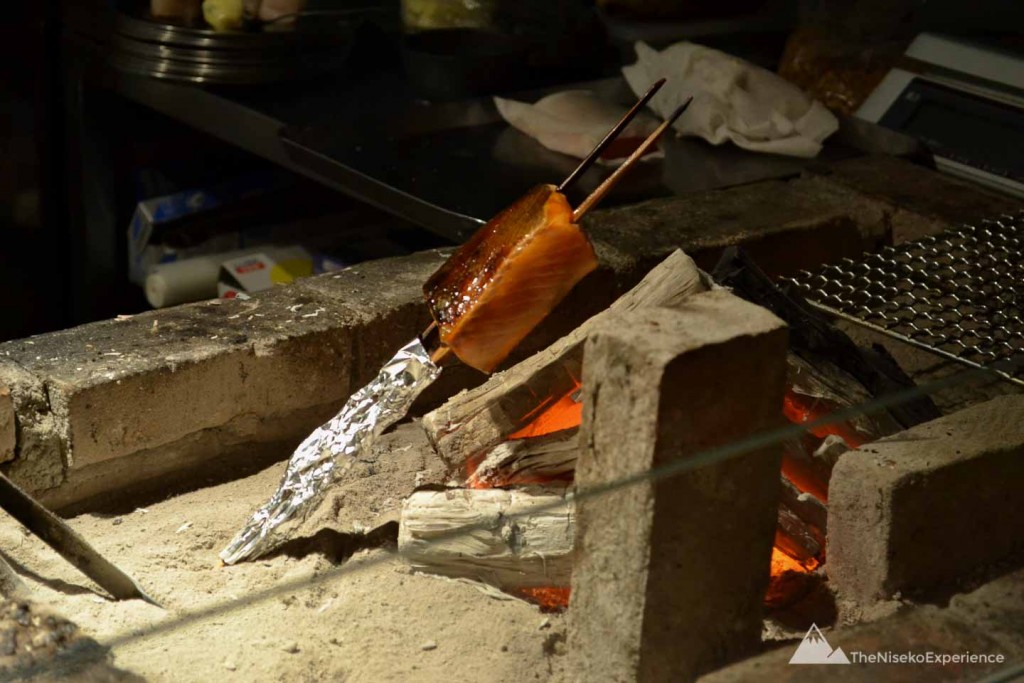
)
(959, 293)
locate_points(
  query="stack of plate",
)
(197, 54)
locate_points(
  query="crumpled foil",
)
(328, 452)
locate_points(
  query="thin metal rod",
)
(610, 182)
(57, 534)
(612, 134)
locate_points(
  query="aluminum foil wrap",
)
(328, 452)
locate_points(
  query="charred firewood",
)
(796, 539)
(540, 459)
(811, 511)
(815, 339)
(474, 422)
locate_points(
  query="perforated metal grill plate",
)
(959, 293)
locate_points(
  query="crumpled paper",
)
(574, 121)
(732, 100)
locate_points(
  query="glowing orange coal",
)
(789, 580)
(549, 598)
(801, 409)
(565, 413)
(557, 413)
(553, 415)
(783, 562)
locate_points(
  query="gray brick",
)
(918, 200)
(8, 425)
(171, 384)
(787, 225)
(670, 577)
(917, 510)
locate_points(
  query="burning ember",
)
(552, 415)
(789, 579)
(800, 409)
(559, 413)
(565, 413)
(548, 598)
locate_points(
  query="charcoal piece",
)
(811, 334)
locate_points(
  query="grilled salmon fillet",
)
(507, 277)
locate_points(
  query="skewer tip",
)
(679, 110)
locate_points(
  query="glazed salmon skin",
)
(507, 277)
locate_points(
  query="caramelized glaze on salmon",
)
(510, 274)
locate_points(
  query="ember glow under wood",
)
(484, 300)
(510, 539)
(532, 460)
(474, 422)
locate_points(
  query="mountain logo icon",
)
(814, 649)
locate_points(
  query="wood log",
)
(475, 421)
(795, 538)
(803, 524)
(809, 509)
(507, 543)
(536, 460)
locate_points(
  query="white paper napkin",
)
(732, 100)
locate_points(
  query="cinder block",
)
(670, 576)
(997, 610)
(922, 508)
(986, 621)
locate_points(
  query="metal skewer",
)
(57, 534)
(609, 182)
(612, 134)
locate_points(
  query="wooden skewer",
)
(430, 336)
(609, 182)
(438, 356)
(431, 340)
(612, 134)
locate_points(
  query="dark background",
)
(45, 279)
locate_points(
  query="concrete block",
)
(172, 383)
(918, 201)
(8, 425)
(38, 449)
(997, 610)
(670, 576)
(920, 509)
(786, 225)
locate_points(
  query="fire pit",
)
(534, 483)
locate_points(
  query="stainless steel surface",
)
(57, 534)
(959, 294)
(447, 167)
(330, 450)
